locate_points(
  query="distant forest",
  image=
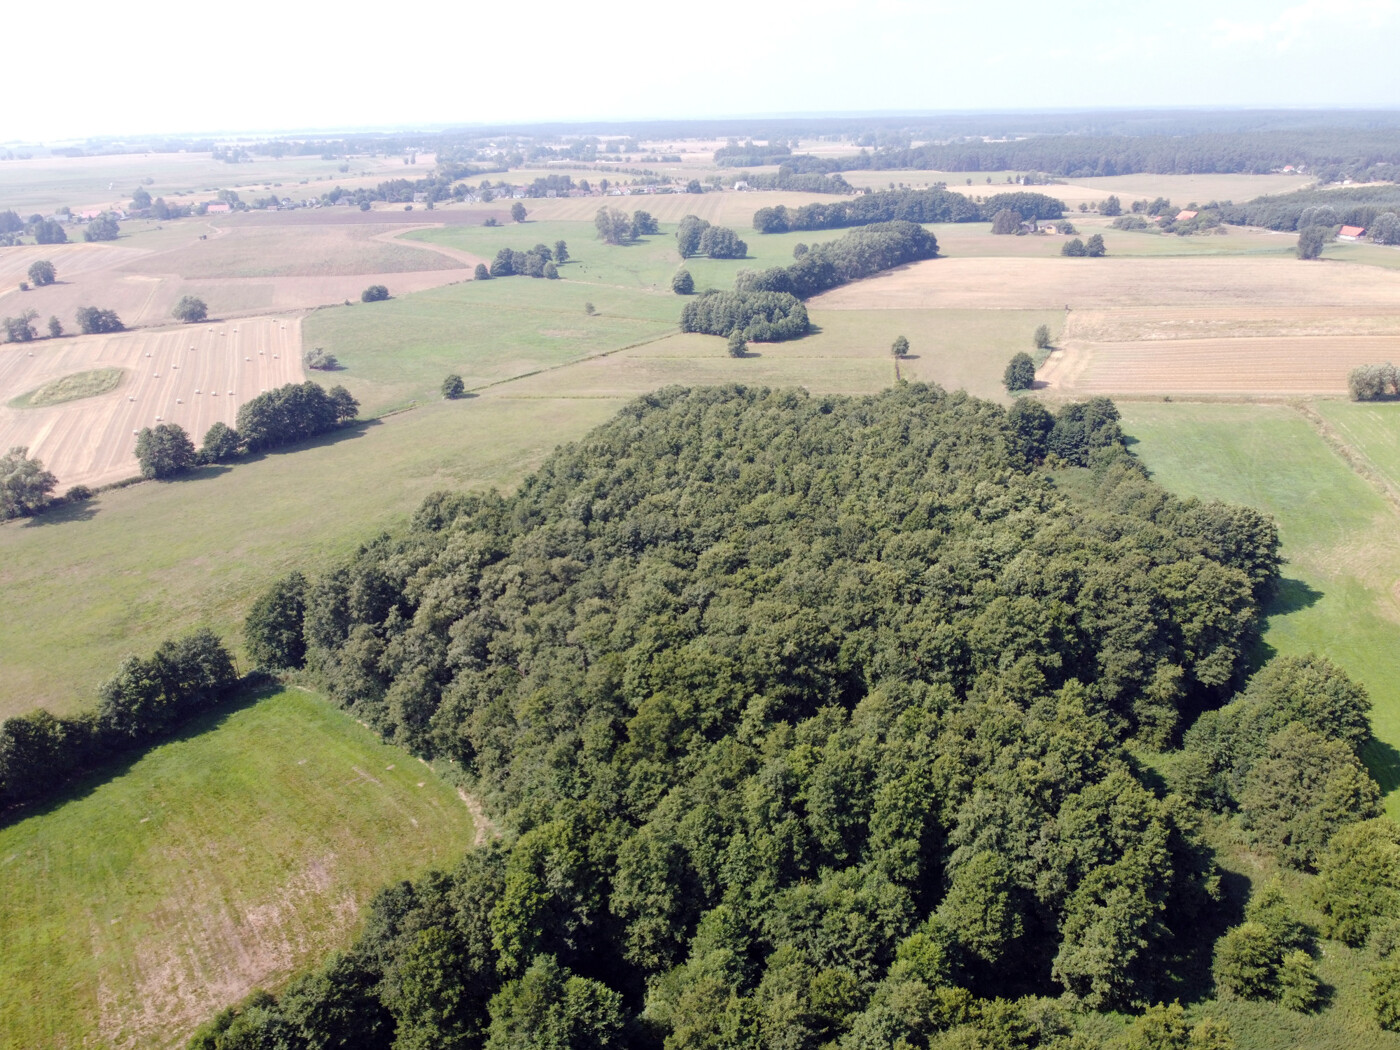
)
(815, 722)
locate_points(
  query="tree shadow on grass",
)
(62, 514)
(87, 783)
(344, 432)
(1383, 761)
(1291, 596)
(1188, 974)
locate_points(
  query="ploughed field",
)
(193, 375)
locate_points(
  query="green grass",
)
(71, 388)
(1339, 538)
(1367, 254)
(89, 583)
(227, 858)
(1373, 430)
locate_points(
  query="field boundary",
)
(1353, 457)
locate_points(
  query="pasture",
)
(193, 375)
(241, 851)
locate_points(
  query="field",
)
(225, 859)
(193, 375)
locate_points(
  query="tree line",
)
(539, 261)
(1364, 206)
(696, 236)
(811, 720)
(932, 205)
(146, 700)
(765, 317)
(860, 253)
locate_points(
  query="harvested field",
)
(380, 214)
(1115, 283)
(1226, 322)
(194, 376)
(729, 208)
(1244, 367)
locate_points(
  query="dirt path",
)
(395, 237)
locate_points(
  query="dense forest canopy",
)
(807, 721)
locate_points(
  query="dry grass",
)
(73, 387)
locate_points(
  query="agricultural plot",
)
(228, 858)
(193, 375)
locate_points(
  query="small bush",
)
(1020, 373)
(1042, 337)
(77, 494)
(589, 309)
(683, 283)
(320, 359)
(375, 293)
(453, 387)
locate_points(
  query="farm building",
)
(1185, 216)
(216, 207)
(1351, 233)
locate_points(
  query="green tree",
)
(1074, 248)
(221, 443)
(682, 283)
(738, 345)
(1385, 995)
(1094, 247)
(613, 226)
(720, 242)
(551, 271)
(190, 310)
(1311, 241)
(1042, 337)
(453, 387)
(164, 451)
(1358, 879)
(346, 407)
(1020, 373)
(481, 273)
(140, 198)
(375, 293)
(1299, 988)
(102, 228)
(272, 630)
(1247, 959)
(1111, 206)
(49, 231)
(644, 224)
(693, 186)
(549, 1008)
(20, 329)
(517, 212)
(42, 273)
(25, 486)
(55, 327)
(688, 232)
(900, 346)
(1006, 221)
(92, 320)
(318, 358)
(561, 252)
(428, 996)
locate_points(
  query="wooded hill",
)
(807, 720)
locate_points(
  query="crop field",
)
(194, 375)
(732, 208)
(1341, 537)
(228, 858)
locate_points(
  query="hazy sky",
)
(166, 67)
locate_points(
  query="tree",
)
(688, 232)
(453, 387)
(20, 329)
(140, 198)
(164, 451)
(1311, 241)
(49, 231)
(1246, 962)
(1385, 995)
(1094, 247)
(482, 273)
(1074, 248)
(320, 360)
(91, 320)
(55, 327)
(900, 346)
(1020, 373)
(42, 273)
(1299, 988)
(503, 265)
(548, 1007)
(221, 443)
(1111, 207)
(272, 629)
(375, 293)
(102, 228)
(1042, 337)
(738, 345)
(644, 225)
(682, 283)
(346, 407)
(720, 242)
(613, 225)
(561, 252)
(551, 271)
(517, 212)
(693, 186)
(190, 310)
(1358, 880)
(1385, 229)
(25, 486)
(1006, 221)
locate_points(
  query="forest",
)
(933, 205)
(819, 721)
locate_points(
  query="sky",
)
(163, 67)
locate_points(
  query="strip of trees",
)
(860, 253)
(933, 205)
(539, 261)
(1374, 383)
(142, 703)
(696, 236)
(765, 317)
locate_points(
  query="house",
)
(1186, 216)
(217, 207)
(1351, 233)
(741, 185)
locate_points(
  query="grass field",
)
(1340, 537)
(72, 387)
(222, 860)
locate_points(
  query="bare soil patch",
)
(191, 375)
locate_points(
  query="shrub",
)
(738, 346)
(320, 359)
(42, 273)
(551, 271)
(683, 283)
(482, 273)
(453, 387)
(190, 310)
(375, 293)
(1042, 337)
(1246, 962)
(1020, 373)
(762, 316)
(1385, 996)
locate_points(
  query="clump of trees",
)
(25, 486)
(1092, 249)
(1374, 382)
(453, 387)
(615, 227)
(900, 346)
(319, 359)
(92, 320)
(20, 329)
(293, 413)
(1269, 955)
(537, 262)
(935, 205)
(102, 228)
(190, 310)
(764, 688)
(764, 317)
(1311, 241)
(50, 231)
(1006, 221)
(1020, 373)
(696, 236)
(860, 253)
(144, 701)
(164, 451)
(375, 293)
(41, 273)
(482, 272)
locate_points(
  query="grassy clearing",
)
(1339, 538)
(225, 859)
(88, 584)
(73, 387)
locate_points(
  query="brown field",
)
(91, 442)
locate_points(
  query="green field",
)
(227, 858)
(1340, 537)
(70, 388)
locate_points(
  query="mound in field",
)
(73, 387)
